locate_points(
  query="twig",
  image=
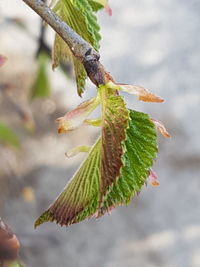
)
(79, 47)
(76, 43)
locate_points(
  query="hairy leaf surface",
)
(80, 198)
(140, 149)
(114, 124)
(100, 169)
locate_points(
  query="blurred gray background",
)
(152, 43)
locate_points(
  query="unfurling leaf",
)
(120, 161)
(82, 198)
(74, 118)
(140, 92)
(86, 27)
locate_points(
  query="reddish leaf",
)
(74, 118)
(114, 124)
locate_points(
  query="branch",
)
(76, 43)
(78, 46)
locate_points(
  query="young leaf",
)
(74, 118)
(80, 198)
(86, 26)
(100, 169)
(8, 137)
(80, 75)
(140, 149)
(114, 124)
(139, 91)
(61, 52)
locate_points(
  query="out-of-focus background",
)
(152, 43)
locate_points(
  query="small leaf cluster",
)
(121, 160)
(117, 166)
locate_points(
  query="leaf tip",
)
(61, 125)
(142, 94)
(64, 125)
(45, 217)
(150, 97)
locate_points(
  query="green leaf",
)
(8, 137)
(41, 87)
(78, 14)
(80, 75)
(115, 118)
(140, 150)
(116, 168)
(80, 198)
(61, 52)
